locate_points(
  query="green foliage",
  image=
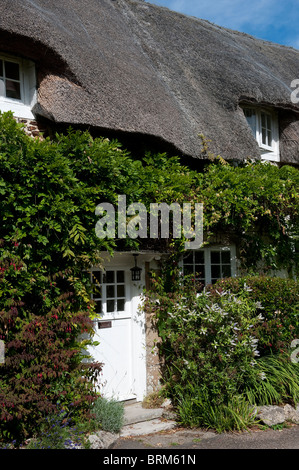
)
(58, 432)
(195, 409)
(259, 204)
(206, 340)
(109, 414)
(211, 343)
(49, 190)
(279, 305)
(277, 381)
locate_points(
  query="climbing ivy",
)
(49, 190)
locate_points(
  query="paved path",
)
(286, 438)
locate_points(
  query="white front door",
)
(115, 329)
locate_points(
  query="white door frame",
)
(138, 340)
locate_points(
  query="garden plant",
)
(49, 189)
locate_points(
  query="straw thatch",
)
(130, 66)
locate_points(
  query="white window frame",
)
(268, 152)
(21, 108)
(207, 260)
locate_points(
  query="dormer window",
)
(264, 126)
(10, 84)
(17, 86)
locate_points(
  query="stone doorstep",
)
(135, 413)
(138, 421)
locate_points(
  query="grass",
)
(198, 411)
(278, 383)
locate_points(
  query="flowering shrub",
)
(279, 299)
(214, 344)
(58, 432)
(40, 325)
(206, 340)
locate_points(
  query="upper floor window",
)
(264, 126)
(17, 86)
(10, 83)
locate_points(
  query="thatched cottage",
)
(155, 79)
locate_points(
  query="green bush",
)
(58, 432)
(279, 305)
(109, 414)
(211, 348)
(206, 341)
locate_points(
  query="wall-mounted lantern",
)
(136, 271)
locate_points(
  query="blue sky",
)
(273, 20)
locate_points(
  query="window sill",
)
(19, 110)
(270, 157)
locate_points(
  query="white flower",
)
(247, 288)
(258, 304)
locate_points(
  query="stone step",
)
(135, 413)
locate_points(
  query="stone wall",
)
(153, 366)
(32, 127)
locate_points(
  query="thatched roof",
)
(127, 65)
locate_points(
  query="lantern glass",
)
(136, 271)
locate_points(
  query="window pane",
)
(111, 291)
(96, 291)
(121, 305)
(120, 276)
(1, 68)
(98, 307)
(188, 270)
(96, 277)
(2, 88)
(215, 272)
(226, 271)
(200, 271)
(269, 138)
(121, 291)
(12, 70)
(189, 258)
(13, 90)
(266, 129)
(251, 119)
(269, 122)
(109, 277)
(215, 257)
(264, 140)
(199, 257)
(110, 306)
(225, 257)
